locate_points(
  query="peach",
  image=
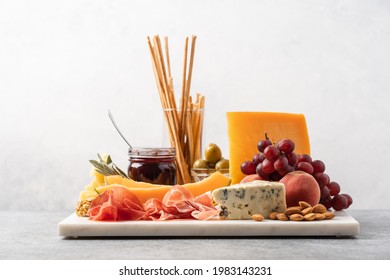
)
(250, 178)
(301, 186)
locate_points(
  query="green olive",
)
(213, 153)
(200, 163)
(222, 164)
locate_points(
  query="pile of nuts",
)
(303, 212)
(83, 207)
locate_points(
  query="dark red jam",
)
(152, 165)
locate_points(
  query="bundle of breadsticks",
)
(184, 123)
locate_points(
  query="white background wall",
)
(64, 63)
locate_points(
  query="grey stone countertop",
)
(33, 235)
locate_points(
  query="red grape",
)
(334, 188)
(339, 202)
(349, 199)
(292, 158)
(305, 167)
(271, 153)
(286, 146)
(248, 167)
(322, 179)
(318, 166)
(260, 172)
(286, 171)
(267, 166)
(258, 158)
(304, 158)
(281, 163)
(263, 144)
(327, 202)
(275, 176)
(325, 193)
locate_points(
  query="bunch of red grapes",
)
(276, 160)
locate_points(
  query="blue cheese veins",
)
(241, 201)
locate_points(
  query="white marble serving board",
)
(342, 225)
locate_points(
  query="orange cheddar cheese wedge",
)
(246, 129)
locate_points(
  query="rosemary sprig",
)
(107, 168)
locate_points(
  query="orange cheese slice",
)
(246, 129)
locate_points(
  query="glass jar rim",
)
(152, 152)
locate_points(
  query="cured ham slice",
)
(120, 204)
(179, 203)
(117, 204)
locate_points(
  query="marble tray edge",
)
(342, 225)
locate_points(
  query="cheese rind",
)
(246, 129)
(241, 201)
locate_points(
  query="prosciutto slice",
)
(179, 203)
(120, 204)
(116, 204)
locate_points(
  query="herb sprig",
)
(107, 167)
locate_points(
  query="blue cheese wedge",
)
(241, 201)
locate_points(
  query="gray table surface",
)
(33, 235)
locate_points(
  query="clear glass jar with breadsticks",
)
(184, 122)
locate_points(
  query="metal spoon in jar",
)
(117, 129)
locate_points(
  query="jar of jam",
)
(152, 165)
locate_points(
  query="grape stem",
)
(266, 137)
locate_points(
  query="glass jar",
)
(152, 165)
